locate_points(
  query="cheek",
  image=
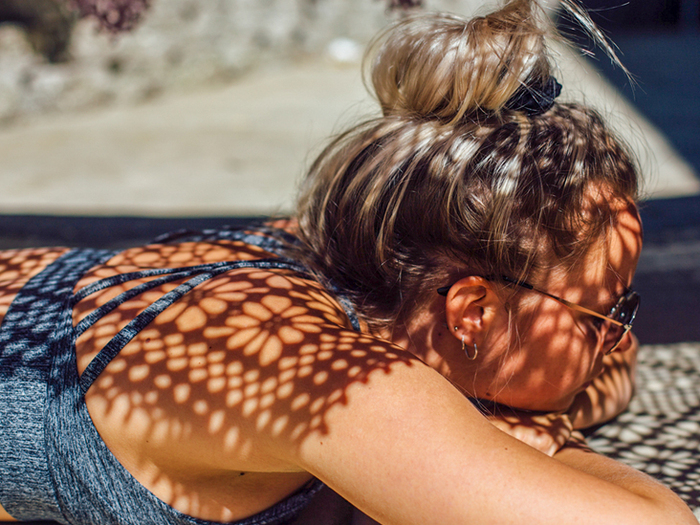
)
(559, 331)
(554, 357)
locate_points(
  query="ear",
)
(471, 307)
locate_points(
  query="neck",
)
(427, 337)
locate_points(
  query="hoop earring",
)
(464, 349)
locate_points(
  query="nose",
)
(629, 341)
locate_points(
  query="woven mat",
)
(660, 432)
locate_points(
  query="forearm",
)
(668, 505)
(610, 393)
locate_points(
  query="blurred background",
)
(121, 119)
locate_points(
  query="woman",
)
(478, 241)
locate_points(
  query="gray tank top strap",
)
(270, 239)
(273, 240)
(53, 463)
(195, 276)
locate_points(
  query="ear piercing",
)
(466, 352)
(476, 353)
(464, 348)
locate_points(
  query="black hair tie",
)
(535, 100)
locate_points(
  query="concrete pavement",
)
(237, 149)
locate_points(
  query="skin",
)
(254, 383)
(557, 350)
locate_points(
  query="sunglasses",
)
(615, 325)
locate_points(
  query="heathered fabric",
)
(53, 463)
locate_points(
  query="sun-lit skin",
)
(197, 404)
(248, 353)
(555, 352)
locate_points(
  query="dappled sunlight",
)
(609, 394)
(248, 354)
(556, 350)
(18, 266)
(202, 397)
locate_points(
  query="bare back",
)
(197, 403)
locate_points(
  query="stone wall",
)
(181, 45)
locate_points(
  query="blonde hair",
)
(449, 180)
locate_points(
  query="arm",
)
(407, 448)
(607, 397)
(384, 431)
(610, 392)
(4, 516)
(606, 469)
(546, 432)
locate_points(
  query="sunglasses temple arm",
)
(573, 306)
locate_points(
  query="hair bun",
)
(442, 66)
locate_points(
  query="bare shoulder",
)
(230, 379)
(249, 352)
